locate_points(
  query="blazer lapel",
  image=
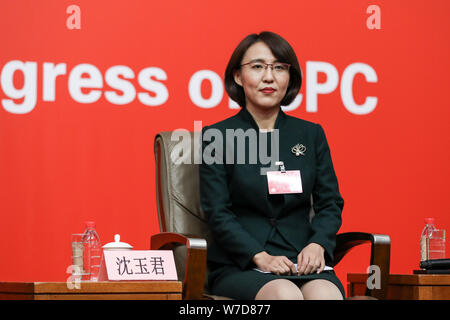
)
(273, 202)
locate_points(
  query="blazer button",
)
(273, 222)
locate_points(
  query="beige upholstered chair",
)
(184, 228)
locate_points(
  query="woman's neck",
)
(264, 118)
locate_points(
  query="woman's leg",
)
(280, 289)
(321, 290)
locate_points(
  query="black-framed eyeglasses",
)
(260, 67)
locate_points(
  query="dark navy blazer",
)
(240, 211)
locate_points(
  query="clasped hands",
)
(309, 260)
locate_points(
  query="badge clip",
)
(281, 164)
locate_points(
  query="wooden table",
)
(107, 290)
(406, 286)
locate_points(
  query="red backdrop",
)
(76, 140)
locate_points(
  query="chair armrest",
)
(379, 255)
(194, 280)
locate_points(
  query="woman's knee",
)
(279, 289)
(321, 290)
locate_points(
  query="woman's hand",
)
(311, 259)
(279, 265)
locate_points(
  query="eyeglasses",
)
(259, 67)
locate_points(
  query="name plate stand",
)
(139, 265)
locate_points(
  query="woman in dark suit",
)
(259, 235)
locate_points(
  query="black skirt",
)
(230, 281)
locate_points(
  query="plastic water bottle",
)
(432, 245)
(92, 252)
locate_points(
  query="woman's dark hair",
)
(280, 48)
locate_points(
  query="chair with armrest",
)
(184, 228)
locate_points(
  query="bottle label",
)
(424, 248)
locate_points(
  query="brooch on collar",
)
(298, 149)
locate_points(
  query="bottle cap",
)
(117, 245)
(90, 224)
(429, 220)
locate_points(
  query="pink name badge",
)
(137, 265)
(284, 182)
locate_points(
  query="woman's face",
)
(264, 88)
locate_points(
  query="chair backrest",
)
(177, 184)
